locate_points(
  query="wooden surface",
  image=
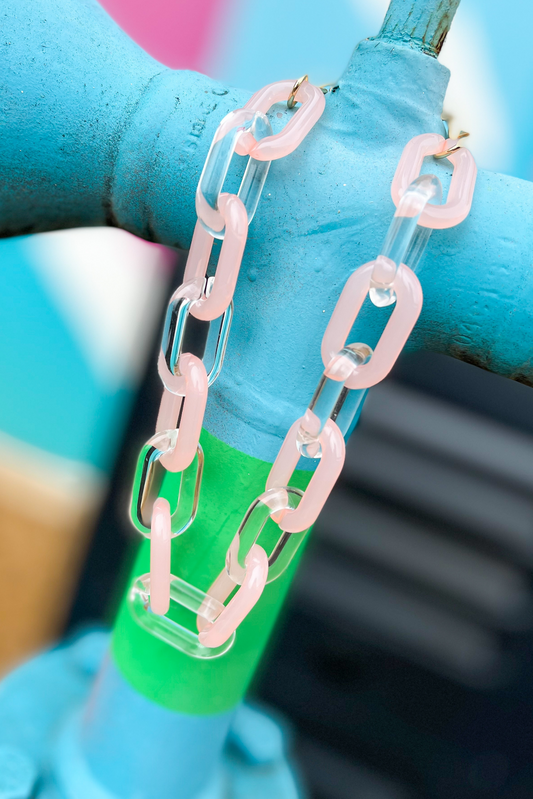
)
(47, 509)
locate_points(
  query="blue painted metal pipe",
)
(43, 753)
(96, 132)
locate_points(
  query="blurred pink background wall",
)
(179, 33)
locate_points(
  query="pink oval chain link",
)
(229, 262)
(215, 633)
(319, 488)
(195, 377)
(406, 312)
(461, 191)
(281, 144)
(160, 557)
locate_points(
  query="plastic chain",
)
(160, 557)
(405, 241)
(174, 334)
(185, 595)
(248, 565)
(349, 368)
(184, 376)
(332, 399)
(269, 504)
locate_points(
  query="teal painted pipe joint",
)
(42, 738)
(95, 132)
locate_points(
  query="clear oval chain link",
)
(262, 509)
(405, 241)
(217, 165)
(330, 399)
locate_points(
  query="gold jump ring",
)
(450, 150)
(291, 102)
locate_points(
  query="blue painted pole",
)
(99, 133)
(420, 25)
(96, 132)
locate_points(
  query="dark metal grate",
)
(406, 654)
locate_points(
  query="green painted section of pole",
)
(232, 480)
